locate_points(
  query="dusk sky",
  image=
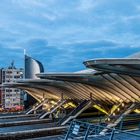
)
(63, 33)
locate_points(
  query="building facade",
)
(32, 67)
(12, 98)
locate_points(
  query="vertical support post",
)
(87, 132)
(121, 124)
(98, 129)
(34, 111)
(112, 134)
(67, 135)
(90, 96)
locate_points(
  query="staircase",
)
(120, 109)
(115, 118)
(52, 109)
(36, 106)
(76, 112)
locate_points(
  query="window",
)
(8, 90)
(8, 72)
(16, 90)
(16, 77)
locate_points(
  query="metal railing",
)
(52, 109)
(131, 121)
(73, 112)
(84, 131)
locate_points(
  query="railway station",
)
(102, 101)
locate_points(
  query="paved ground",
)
(20, 128)
(120, 136)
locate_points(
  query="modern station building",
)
(112, 86)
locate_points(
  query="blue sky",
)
(64, 33)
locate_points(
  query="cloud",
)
(87, 5)
(62, 34)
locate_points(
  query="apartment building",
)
(12, 98)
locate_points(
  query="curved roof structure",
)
(111, 82)
(128, 66)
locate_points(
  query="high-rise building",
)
(32, 67)
(12, 98)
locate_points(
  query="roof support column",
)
(90, 96)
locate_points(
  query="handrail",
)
(72, 113)
(52, 109)
(87, 127)
(79, 107)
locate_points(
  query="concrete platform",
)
(36, 132)
(24, 127)
(120, 136)
(30, 121)
(17, 119)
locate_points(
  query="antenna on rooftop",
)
(12, 63)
